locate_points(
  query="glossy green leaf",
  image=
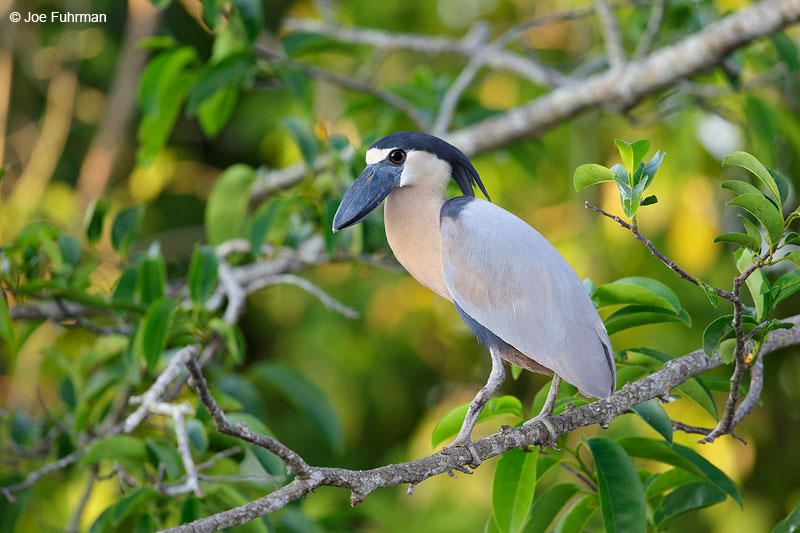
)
(270, 223)
(125, 291)
(783, 185)
(715, 332)
(636, 290)
(793, 257)
(151, 277)
(547, 506)
(115, 448)
(306, 397)
(190, 510)
(130, 503)
(712, 295)
(740, 239)
(620, 489)
(650, 200)
(591, 174)
(668, 480)
(639, 315)
(792, 238)
(764, 211)
(197, 435)
(303, 135)
(215, 112)
(450, 423)
(154, 332)
(682, 457)
(226, 211)
(95, 215)
(747, 161)
(125, 227)
(687, 498)
(753, 231)
(650, 170)
(580, 514)
(740, 187)
(790, 524)
(512, 489)
(654, 414)
(203, 272)
(70, 250)
(785, 286)
(632, 153)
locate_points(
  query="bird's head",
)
(405, 159)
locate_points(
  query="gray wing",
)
(512, 281)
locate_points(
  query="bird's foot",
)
(466, 442)
(547, 421)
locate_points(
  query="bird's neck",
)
(411, 216)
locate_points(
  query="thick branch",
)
(363, 482)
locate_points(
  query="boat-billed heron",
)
(515, 291)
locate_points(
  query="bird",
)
(516, 293)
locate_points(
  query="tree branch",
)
(362, 482)
(611, 34)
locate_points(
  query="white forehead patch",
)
(424, 168)
(376, 155)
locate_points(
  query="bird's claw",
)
(546, 420)
(467, 443)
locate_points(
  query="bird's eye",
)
(397, 157)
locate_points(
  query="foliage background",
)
(389, 376)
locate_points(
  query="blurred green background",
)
(390, 375)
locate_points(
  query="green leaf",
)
(130, 503)
(264, 220)
(789, 524)
(547, 506)
(154, 332)
(302, 43)
(125, 227)
(654, 414)
(114, 448)
(7, 330)
(215, 112)
(748, 162)
(636, 290)
(792, 238)
(516, 371)
(512, 489)
(197, 435)
(741, 187)
(712, 295)
(650, 170)
(668, 480)
(740, 239)
(231, 336)
(785, 286)
(650, 200)
(164, 85)
(591, 174)
(190, 511)
(757, 283)
(632, 153)
(252, 16)
(304, 137)
(160, 451)
(70, 250)
(765, 212)
(621, 493)
(638, 315)
(94, 216)
(151, 278)
(306, 397)
(783, 185)
(226, 211)
(726, 349)
(450, 423)
(125, 291)
(228, 72)
(718, 330)
(752, 230)
(793, 257)
(682, 457)
(687, 498)
(203, 272)
(580, 514)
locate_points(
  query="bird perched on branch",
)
(514, 290)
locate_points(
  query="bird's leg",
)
(496, 378)
(546, 413)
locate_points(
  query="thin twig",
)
(178, 413)
(341, 80)
(611, 34)
(241, 431)
(77, 514)
(292, 279)
(664, 259)
(650, 32)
